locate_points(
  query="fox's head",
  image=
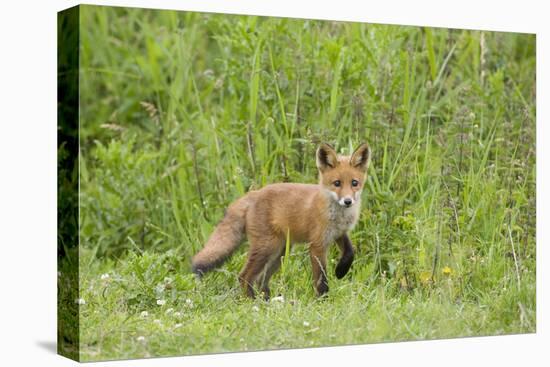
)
(343, 177)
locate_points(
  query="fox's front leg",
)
(318, 256)
(346, 260)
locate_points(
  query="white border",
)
(28, 180)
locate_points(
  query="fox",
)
(313, 214)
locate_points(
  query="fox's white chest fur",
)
(340, 220)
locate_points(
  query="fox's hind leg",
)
(254, 265)
(271, 267)
(259, 261)
(346, 260)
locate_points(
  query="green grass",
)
(182, 113)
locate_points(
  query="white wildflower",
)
(306, 324)
(169, 311)
(178, 325)
(177, 314)
(144, 314)
(189, 302)
(80, 301)
(278, 299)
(105, 276)
(161, 302)
(140, 338)
(255, 308)
(160, 288)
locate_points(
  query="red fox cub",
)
(314, 214)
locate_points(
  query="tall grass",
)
(182, 113)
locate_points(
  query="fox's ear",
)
(326, 157)
(361, 157)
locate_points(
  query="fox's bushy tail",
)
(225, 239)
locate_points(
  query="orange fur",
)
(313, 214)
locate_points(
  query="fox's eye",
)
(337, 183)
(354, 183)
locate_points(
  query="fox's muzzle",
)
(346, 201)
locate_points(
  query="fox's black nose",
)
(347, 202)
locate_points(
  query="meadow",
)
(181, 113)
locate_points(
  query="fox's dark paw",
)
(266, 294)
(322, 289)
(343, 266)
(322, 285)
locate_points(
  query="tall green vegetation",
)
(181, 113)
